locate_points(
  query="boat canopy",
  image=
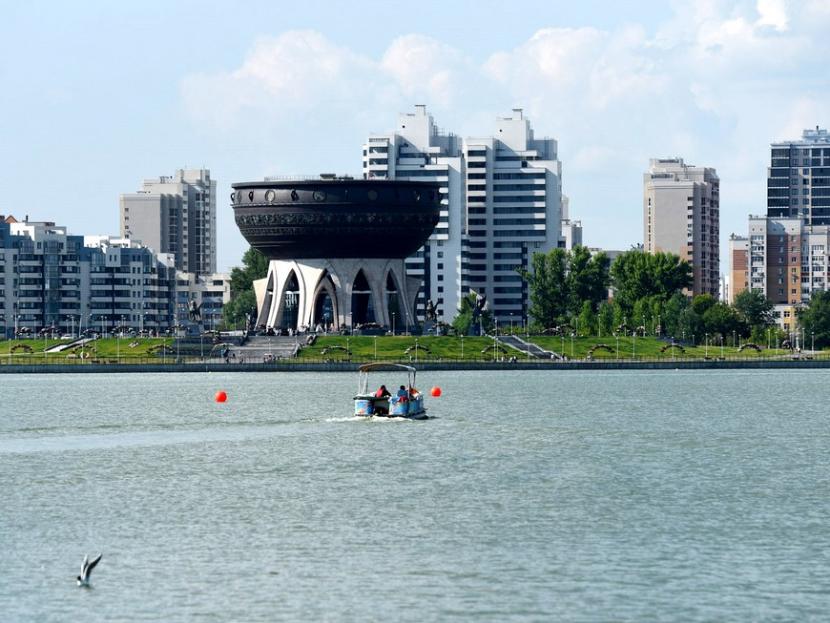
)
(382, 366)
(385, 366)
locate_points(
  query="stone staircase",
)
(258, 348)
(524, 347)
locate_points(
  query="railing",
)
(38, 359)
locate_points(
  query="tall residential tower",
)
(175, 214)
(798, 178)
(501, 202)
(681, 215)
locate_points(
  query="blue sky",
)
(96, 96)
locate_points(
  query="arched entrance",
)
(363, 310)
(325, 311)
(393, 303)
(291, 302)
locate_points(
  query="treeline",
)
(569, 293)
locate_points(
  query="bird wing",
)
(92, 564)
(84, 565)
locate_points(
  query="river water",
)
(531, 496)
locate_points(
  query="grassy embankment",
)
(362, 348)
(645, 348)
(384, 348)
(107, 349)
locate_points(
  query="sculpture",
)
(194, 312)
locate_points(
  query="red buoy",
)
(435, 392)
(221, 396)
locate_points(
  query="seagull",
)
(86, 569)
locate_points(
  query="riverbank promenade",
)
(346, 353)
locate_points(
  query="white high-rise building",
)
(681, 215)
(503, 198)
(175, 214)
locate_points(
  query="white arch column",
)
(343, 271)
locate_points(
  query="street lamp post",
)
(617, 337)
(393, 322)
(812, 343)
(118, 341)
(707, 345)
(376, 348)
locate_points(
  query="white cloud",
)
(295, 70)
(713, 84)
(773, 13)
(425, 68)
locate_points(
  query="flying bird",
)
(86, 570)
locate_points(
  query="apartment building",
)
(177, 215)
(503, 202)
(51, 279)
(681, 215)
(738, 277)
(798, 178)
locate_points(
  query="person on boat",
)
(403, 395)
(413, 393)
(382, 392)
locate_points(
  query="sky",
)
(96, 96)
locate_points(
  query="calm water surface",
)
(572, 496)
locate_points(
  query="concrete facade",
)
(798, 178)
(501, 202)
(788, 258)
(681, 215)
(738, 277)
(51, 279)
(175, 214)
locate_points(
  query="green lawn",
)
(642, 347)
(386, 348)
(108, 349)
(401, 348)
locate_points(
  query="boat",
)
(367, 404)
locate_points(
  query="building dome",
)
(336, 218)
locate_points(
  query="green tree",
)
(702, 302)
(672, 311)
(243, 300)
(754, 309)
(636, 275)
(815, 320)
(587, 324)
(619, 314)
(722, 319)
(689, 324)
(587, 278)
(548, 286)
(605, 319)
(641, 314)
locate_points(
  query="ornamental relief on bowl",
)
(329, 218)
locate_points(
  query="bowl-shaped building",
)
(336, 249)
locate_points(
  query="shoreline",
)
(300, 366)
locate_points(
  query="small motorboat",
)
(368, 403)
